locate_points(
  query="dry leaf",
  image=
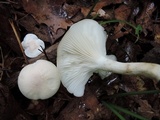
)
(121, 13)
(103, 3)
(157, 33)
(47, 13)
(145, 19)
(145, 109)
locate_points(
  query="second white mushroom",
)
(39, 80)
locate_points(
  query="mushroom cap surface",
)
(78, 52)
(32, 45)
(39, 80)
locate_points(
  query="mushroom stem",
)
(150, 70)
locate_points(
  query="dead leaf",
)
(103, 3)
(84, 108)
(145, 19)
(133, 83)
(118, 33)
(85, 10)
(71, 10)
(157, 33)
(41, 30)
(145, 109)
(99, 5)
(121, 13)
(45, 12)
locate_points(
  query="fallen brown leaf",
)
(103, 3)
(145, 109)
(45, 12)
(145, 19)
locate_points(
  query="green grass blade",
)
(114, 111)
(116, 21)
(127, 111)
(88, 15)
(138, 28)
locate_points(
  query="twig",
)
(18, 39)
(43, 51)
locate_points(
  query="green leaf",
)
(138, 29)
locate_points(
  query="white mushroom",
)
(82, 52)
(32, 45)
(39, 80)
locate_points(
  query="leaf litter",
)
(49, 20)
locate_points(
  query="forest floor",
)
(49, 20)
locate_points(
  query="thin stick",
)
(43, 51)
(18, 39)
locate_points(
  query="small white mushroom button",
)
(32, 45)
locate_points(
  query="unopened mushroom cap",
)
(39, 80)
(32, 45)
(78, 52)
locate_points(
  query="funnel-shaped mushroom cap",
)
(78, 52)
(39, 80)
(82, 52)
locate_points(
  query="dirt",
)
(49, 20)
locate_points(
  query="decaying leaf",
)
(121, 13)
(146, 109)
(43, 12)
(103, 3)
(99, 6)
(157, 33)
(85, 108)
(145, 19)
(71, 10)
